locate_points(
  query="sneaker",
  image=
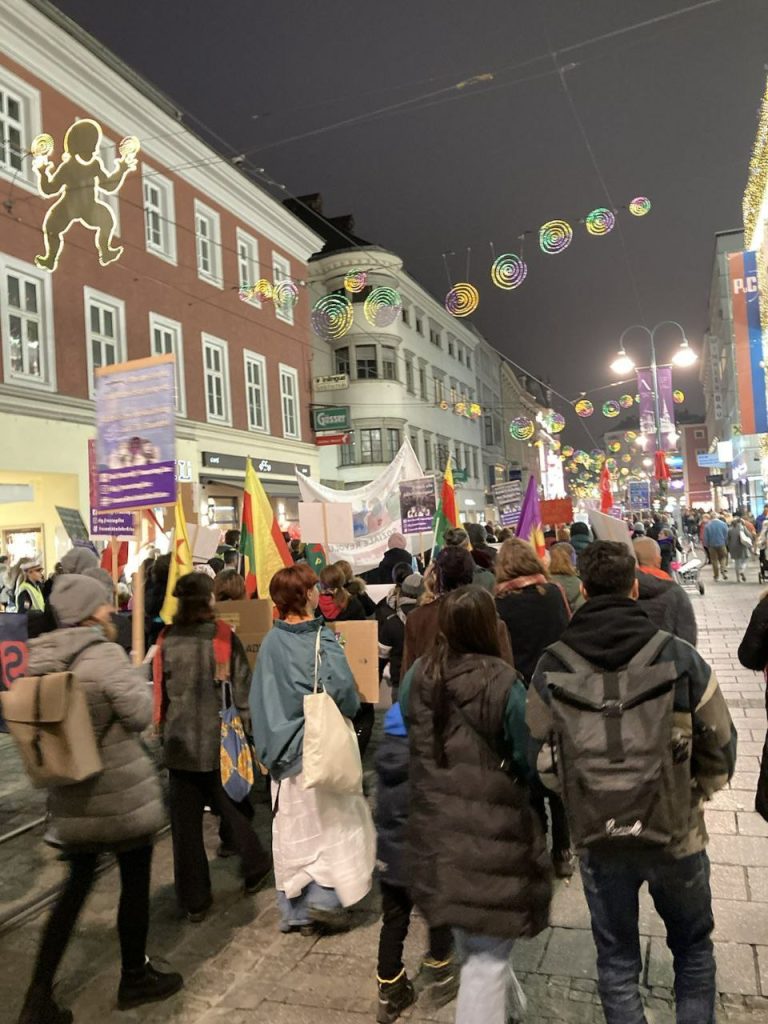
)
(436, 984)
(394, 997)
(331, 922)
(196, 916)
(147, 985)
(743, 578)
(563, 863)
(43, 1010)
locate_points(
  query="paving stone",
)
(728, 882)
(751, 851)
(736, 921)
(757, 881)
(751, 824)
(732, 800)
(736, 972)
(721, 822)
(573, 948)
(762, 968)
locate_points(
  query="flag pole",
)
(137, 622)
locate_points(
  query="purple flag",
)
(648, 407)
(529, 527)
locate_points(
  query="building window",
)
(415, 442)
(428, 461)
(409, 384)
(19, 124)
(454, 394)
(459, 457)
(11, 131)
(699, 434)
(27, 325)
(281, 271)
(256, 391)
(474, 463)
(419, 325)
(104, 330)
(460, 354)
(365, 358)
(439, 390)
(451, 349)
(166, 340)
(159, 215)
(434, 337)
(208, 239)
(348, 453)
(406, 315)
(423, 382)
(393, 442)
(216, 372)
(389, 363)
(442, 451)
(341, 360)
(488, 422)
(247, 264)
(370, 446)
(469, 360)
(289, 398)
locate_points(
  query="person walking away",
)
(479, 542)
(670, 725)
(664, 602)
(739, 544)
(355, 587)
(392, 616)
(535, 613)
(581, 537)
(477, 855)
(29, 586)
(669, 547)
(562, 571)
(453, 568)
(437, 981)
(702, 527)
(753, 653)
(484, 568)
(396, 552)
(323, 843)
(188, 701)
(228, 585)
(715, 539)
(117, 811)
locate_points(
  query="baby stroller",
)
(687, 574)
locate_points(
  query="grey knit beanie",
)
(77, 560)
(104, 578)
(75, 598)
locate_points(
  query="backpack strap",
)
(649, 652)
(570, 658)
(222, 650)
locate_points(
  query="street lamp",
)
(623, 364)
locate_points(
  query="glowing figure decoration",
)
(678, 396)
(600, 221)
(285, 294)
(382, 307)
(567, 451)
(521, 428)
(630, 435)
(355, 281)
(556, 422)
(462, 300)
(639, 206)
(508, 271)
(626, 401)
(262, 289)
(614, 446)
(555, 236)
(611, 409)
(584, 408)
(79, 180)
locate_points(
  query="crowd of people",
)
(531, 701)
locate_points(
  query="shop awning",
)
(274, 488)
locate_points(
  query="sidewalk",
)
(237, 962)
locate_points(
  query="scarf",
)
(537, 580)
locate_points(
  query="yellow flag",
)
(262, 544)
(181, 560)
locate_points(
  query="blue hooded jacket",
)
(282, 678)
(392, 797)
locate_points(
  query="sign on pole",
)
(418, 504)
(708, 459)
(508, 498)
(136, 434)
(639, 495)
(105, 525)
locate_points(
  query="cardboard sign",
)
(251, 620)
(326, 522)
(360, 641)
(607, 528)
(13, 652)
(556, 512)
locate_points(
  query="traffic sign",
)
(323, 440)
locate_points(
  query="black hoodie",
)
(667, 606)
(609, 631)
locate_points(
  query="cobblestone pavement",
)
(239, 968)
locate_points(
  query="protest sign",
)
(360, 641)
(607, 528)
(251, 620)
(556, 512)
(73, 523)
(326, 522)
(508, 498)
(105, 525)
(13, 652)
(136, 434)
(418, 504)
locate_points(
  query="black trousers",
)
(561, 835)
(132, 913)
(396, 907)
(190, 793)
(363, 723)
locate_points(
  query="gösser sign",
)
(331, 418)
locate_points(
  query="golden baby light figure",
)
(79, 178)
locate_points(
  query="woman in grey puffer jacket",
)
(116, 811)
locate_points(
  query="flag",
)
(315, 556)
(606, 495)
(529, 527)
(446, 516)
(181, 560)
(262, 544)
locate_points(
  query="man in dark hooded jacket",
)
(395, 554)
(664, 602)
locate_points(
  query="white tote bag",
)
(331, 754)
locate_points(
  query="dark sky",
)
(670, 111)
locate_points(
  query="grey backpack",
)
(624, 769)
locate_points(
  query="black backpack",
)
(624, 768)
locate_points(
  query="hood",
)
(328, 607)
(55, 652)
(394, 556)
(393, 721)
(609, 631)
(652, 586)
(392, 760)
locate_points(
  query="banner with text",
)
(748, 342)
(105, 525)
(508, 497)
(648, 407)
(418, 504)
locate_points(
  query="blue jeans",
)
(489, 992)
(294, 911)
(681, 894)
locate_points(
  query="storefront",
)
(222, 478)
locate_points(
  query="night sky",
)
(669, 110)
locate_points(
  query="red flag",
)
(606, 495)
(661, 471)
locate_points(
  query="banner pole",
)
(114, 544)
(137, 622)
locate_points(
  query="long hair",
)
(561, 558)
(194, 592)
(517, 558)
(332, 580)
(467, 624)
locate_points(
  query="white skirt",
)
(322, 837)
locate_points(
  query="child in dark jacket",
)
(438, 979)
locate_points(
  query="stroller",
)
(686, 572)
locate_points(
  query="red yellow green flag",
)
(181, 560)
(446, 516)
(262, 544)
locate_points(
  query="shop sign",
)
(460, 476)
(267, 467)
(708, 459)
(332, 382)
(331, 418)
(328, 440)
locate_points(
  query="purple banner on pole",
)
(136, 434)
(418, 504)
(648, 407)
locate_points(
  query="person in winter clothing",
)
(562, 571)
(664, 602)
(483, 572)
(669, 548)
(581, 537)
(715, 540)
(753, 653)
(228, 585)
(608, 632)
(156, 586)
(117, 811)
(740, 545)
(453, 568)
(396, 552)
(477, 539)
(322, 842)
(437, 981)
(355, 587)
(29, 586)
(477, 856)
(336, 604)
(392, 615)
(535, 613)
(188, 701)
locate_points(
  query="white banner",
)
(375, 510)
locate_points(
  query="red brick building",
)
(694, 440)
